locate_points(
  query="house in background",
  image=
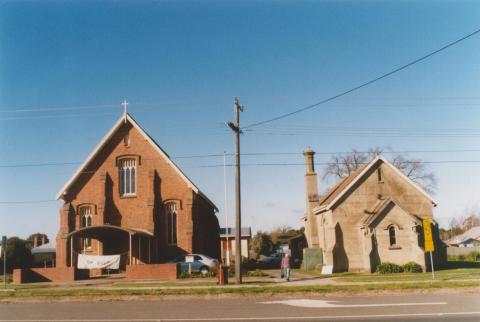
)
(44, 255)
(372, 216)
(470, 238)
(227, 241)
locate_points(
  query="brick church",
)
(129, 198)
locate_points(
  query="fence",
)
(462, 250)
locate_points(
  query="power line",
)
(47, 164)
(25, 202)
(396, 70)
(56, 109)
(254, 164)
(330, 163)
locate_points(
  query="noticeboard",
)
(427, 236)
(189, 259)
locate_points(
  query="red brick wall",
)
(168, 271)
(157, 183)
(53, 274)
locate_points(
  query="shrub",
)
(473, 256)
(412, 267)
(388, 268)
(185, 274)
(257, 273)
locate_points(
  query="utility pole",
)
(227, 252)
(238, 211)
(4, 251)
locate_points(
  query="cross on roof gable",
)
(128, 118)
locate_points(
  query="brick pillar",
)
(62, 252)
(188, 215)
(102, 199)
(150, 201)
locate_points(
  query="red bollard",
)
(222, 274)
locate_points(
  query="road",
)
(444, 307)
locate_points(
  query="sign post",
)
(4, 250)
(189, 259)
(428, 241)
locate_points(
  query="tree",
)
(18, 254)
(261, 244)
(342, 165)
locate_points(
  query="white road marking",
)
(330, 304)
(269, 318)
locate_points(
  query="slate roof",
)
(340, 186)
(45, 248)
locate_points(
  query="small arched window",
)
(171, 208)
(392, 236)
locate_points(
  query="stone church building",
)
(372, 216)
(129, 198)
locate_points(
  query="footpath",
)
(117, 287)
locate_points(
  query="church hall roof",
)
(121, 121)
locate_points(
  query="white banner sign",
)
(92, 261)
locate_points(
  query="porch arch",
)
(99, 231)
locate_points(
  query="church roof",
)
(345, 184)
(340, 186)
(128, 118)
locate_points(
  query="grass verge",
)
(319, 289)
(442, 275)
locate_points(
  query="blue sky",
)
(65, 66)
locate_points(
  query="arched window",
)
(391, 235)
(128, 177)
(86, 221)
(171, 208)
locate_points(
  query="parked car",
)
(272, 260)
(198, 263)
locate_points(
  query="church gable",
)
(377, 179)
(390, 213)
(130, 147)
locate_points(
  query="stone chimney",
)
(311, 184)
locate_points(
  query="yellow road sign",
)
(427, 236)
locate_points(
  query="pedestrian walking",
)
(286, 267)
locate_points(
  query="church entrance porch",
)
(100, 246)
